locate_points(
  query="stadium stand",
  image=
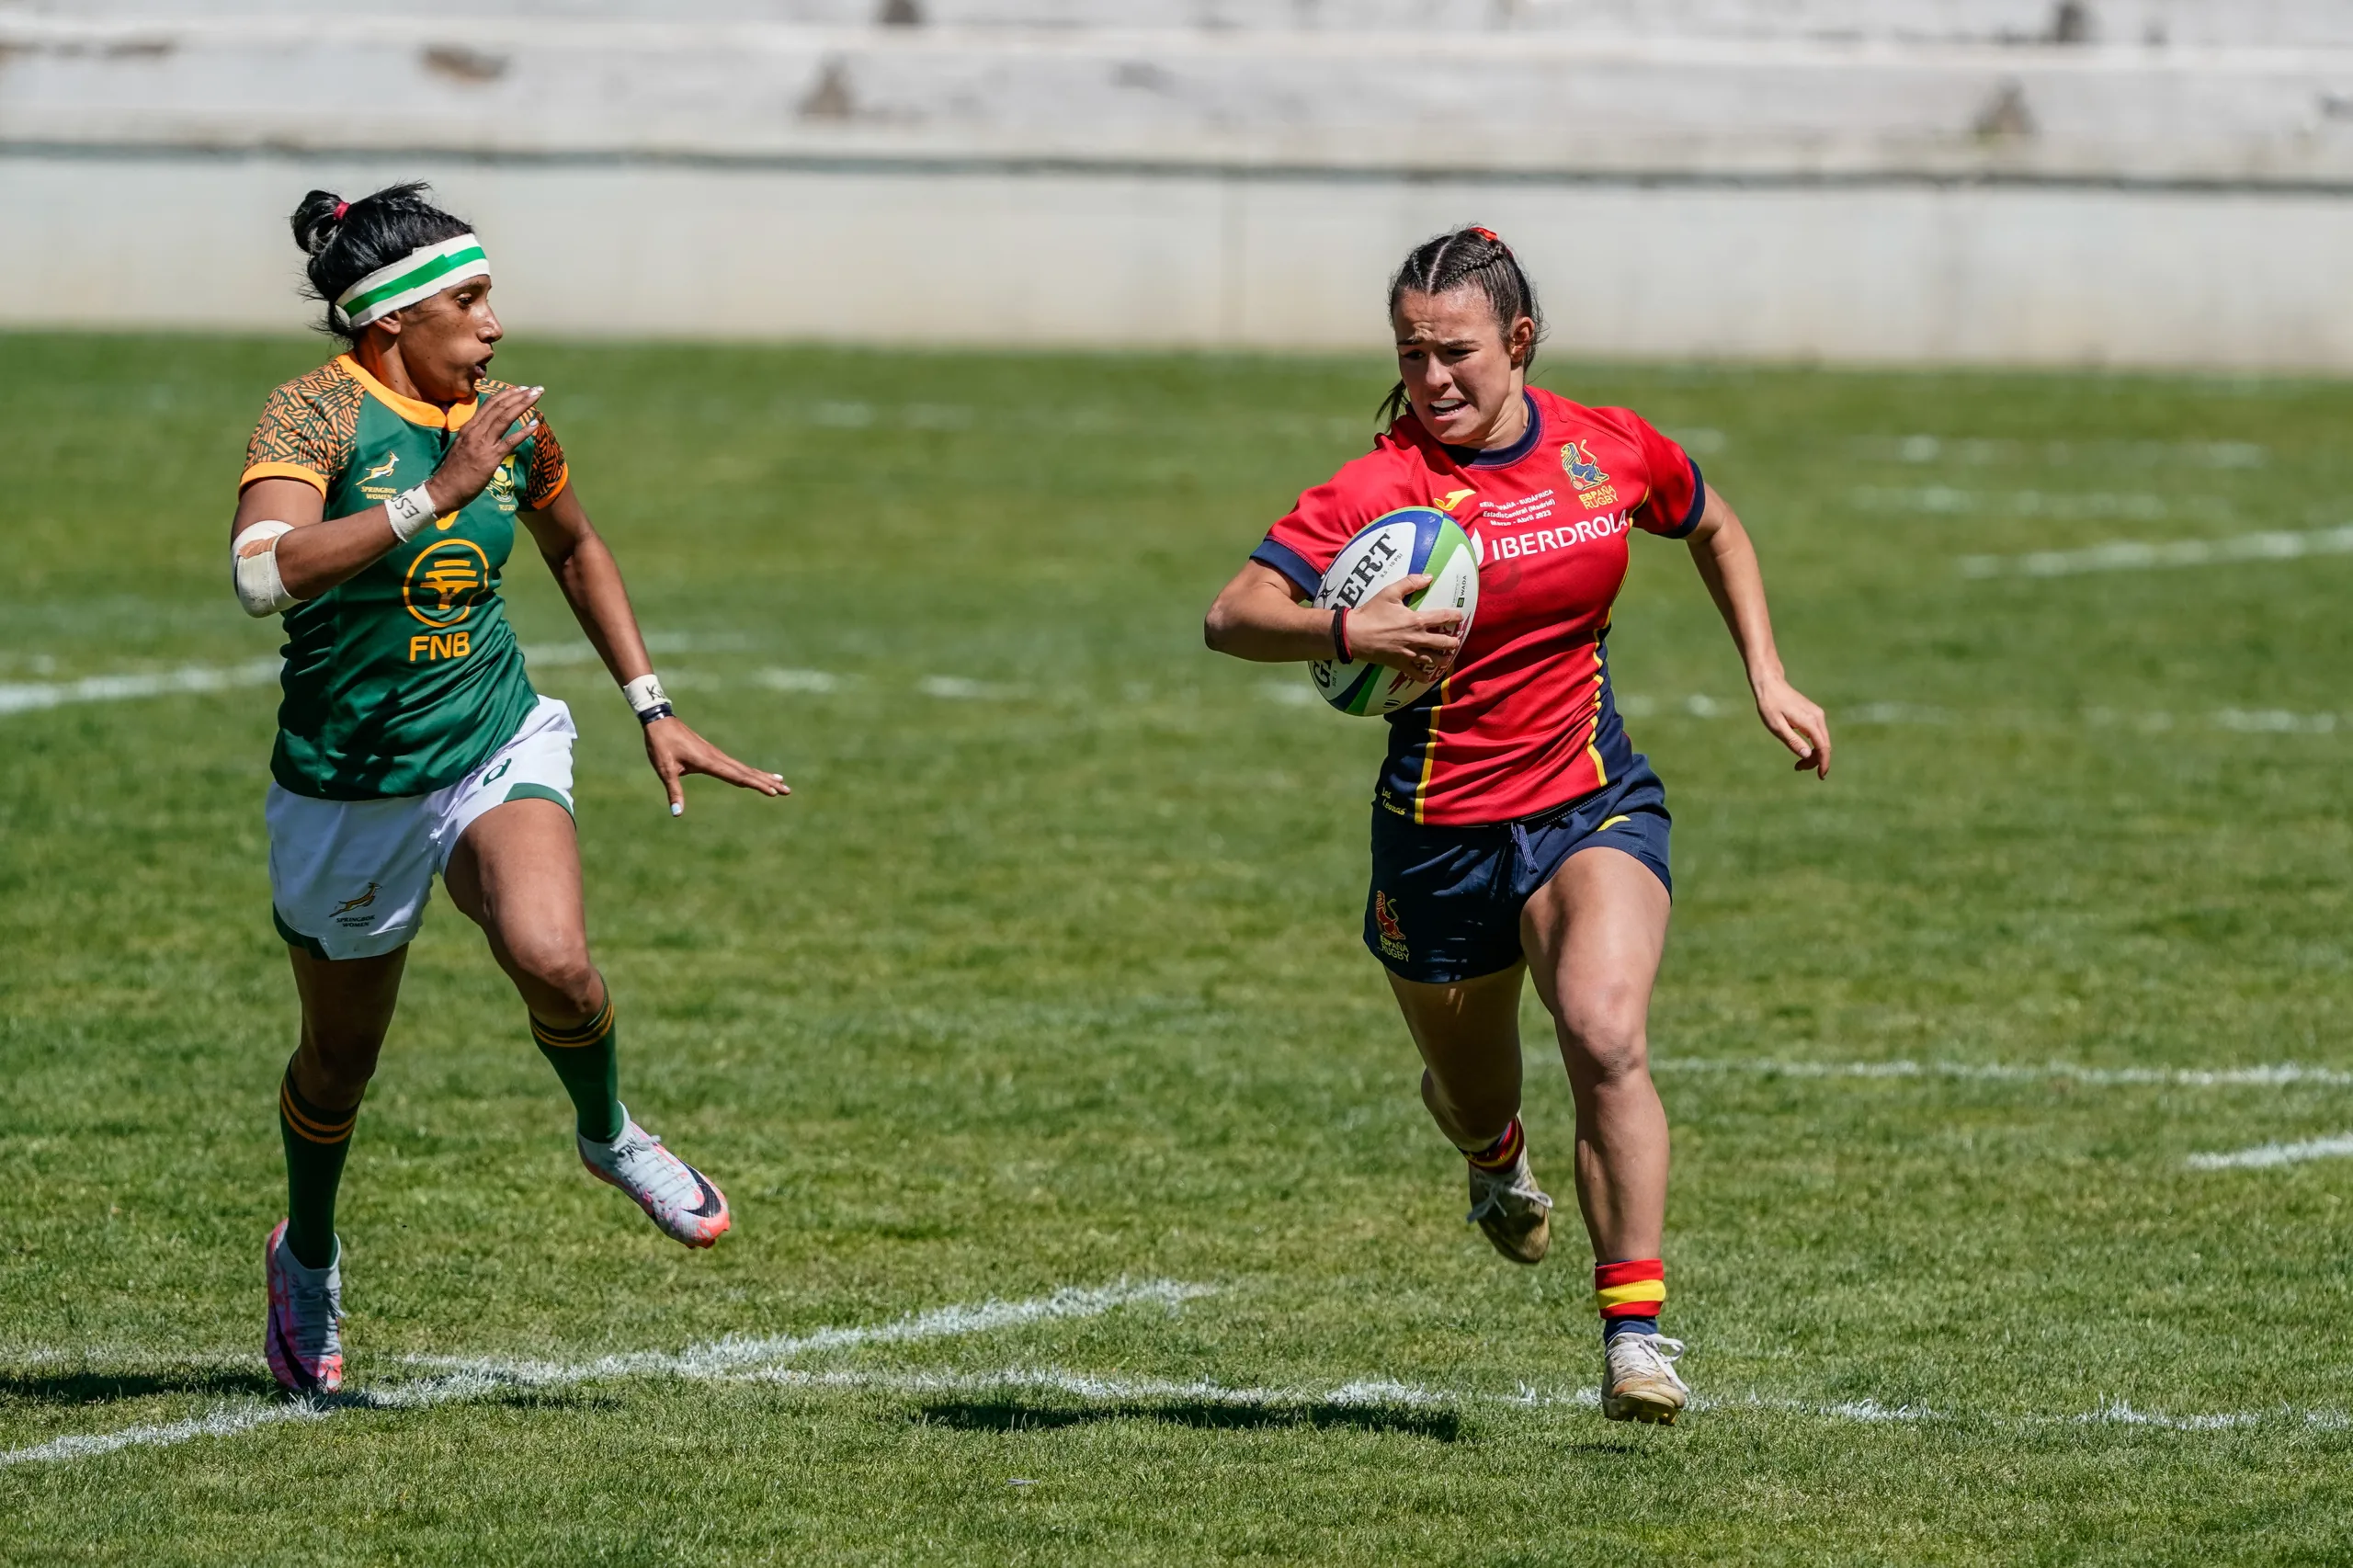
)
(2014, 159)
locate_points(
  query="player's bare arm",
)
(591, 580)
(1726, 558)
(1258, 617)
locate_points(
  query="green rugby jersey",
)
(401, 679)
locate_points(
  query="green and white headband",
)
(419, 275)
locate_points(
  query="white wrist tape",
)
(252, 569)
(646, 697)
(410, 510)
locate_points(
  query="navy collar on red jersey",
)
(1504, 456)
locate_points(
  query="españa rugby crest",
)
(1583, 469)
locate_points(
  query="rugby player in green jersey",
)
(376, 512)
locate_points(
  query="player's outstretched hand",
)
(1385, 629)
(1797, 722)
(502, 423)
(674, 750)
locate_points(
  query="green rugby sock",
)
(586, 1057)
(316, 1142)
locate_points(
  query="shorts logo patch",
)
(1392, 935)
(350, 904)
(495, 774)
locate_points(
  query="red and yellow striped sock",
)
(1500, 1154)
(1630, 1294)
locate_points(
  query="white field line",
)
(2136, 555)
(959, 688)
(31, 696)
(485, 1379)
(1945, 500)
(2239, 720)
(226, 1421)
(1982, 451)
(2265, 1156)
(734, 1357)
(2271, 1076)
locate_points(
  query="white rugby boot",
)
(1512, 1211)
(304, 1342)
(1639, 1380)
(678, 1199)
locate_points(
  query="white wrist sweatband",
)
(647, 700)
(410, 510)
(252, 569)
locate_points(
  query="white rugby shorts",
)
(351, 879)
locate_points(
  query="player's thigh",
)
(1594, 934)
(1467, 1030)
(516, 873)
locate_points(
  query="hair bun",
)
(316, 221)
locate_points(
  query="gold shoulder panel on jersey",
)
(307, 430)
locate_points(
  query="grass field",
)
(1045, 991)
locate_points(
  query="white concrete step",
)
(2208, 23)
(1549, 104)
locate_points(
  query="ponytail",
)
(348, 239)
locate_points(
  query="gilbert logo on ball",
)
(1409, 540)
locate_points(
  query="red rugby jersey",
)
(1526, 720)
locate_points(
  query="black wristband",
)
(1340, 633)
(659, 711)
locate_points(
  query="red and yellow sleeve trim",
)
(283, 471)
(1633, 1288)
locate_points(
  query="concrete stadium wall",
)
(1825, 185)
(1967, 274)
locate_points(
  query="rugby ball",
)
(1409, 540)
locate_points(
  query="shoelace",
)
(1523, 1187)
(1657, 1346)
(668, 1181)
(316, 1312)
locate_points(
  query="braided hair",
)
(1472, 257)
(348, 239)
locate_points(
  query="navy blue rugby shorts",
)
(1445, 901)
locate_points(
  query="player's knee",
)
(1603, 1045)
(334, 1065)
(564, 967)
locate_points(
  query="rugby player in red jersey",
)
(1515, 828)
